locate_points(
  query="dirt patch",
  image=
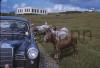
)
(45, 60)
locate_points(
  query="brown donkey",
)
(60, 44)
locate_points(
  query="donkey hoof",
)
(57, 61)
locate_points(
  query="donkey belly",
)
(65, 45)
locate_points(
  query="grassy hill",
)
(89, 53)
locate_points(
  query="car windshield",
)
(13, 29)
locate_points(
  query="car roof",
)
(12, 18)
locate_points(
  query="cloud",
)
(72, 1)
(19, 5)
(56, 8)
(15, 6)
(62, 8)
(23, 5)
(83, 3)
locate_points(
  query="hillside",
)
(89, 53)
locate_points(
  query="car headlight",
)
(32, 53)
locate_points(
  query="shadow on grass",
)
(67, 52)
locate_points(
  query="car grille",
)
(6, 57)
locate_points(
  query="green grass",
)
(89, 54)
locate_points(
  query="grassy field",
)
(89, 53)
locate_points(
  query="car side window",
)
(21, 25)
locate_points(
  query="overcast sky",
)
(51, 5)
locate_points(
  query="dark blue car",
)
(18, 48)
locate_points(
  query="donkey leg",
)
(57, 55)
(54, 54)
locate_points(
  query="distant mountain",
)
(7, 14)
(67, 12)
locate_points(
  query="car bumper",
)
(25, 63)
